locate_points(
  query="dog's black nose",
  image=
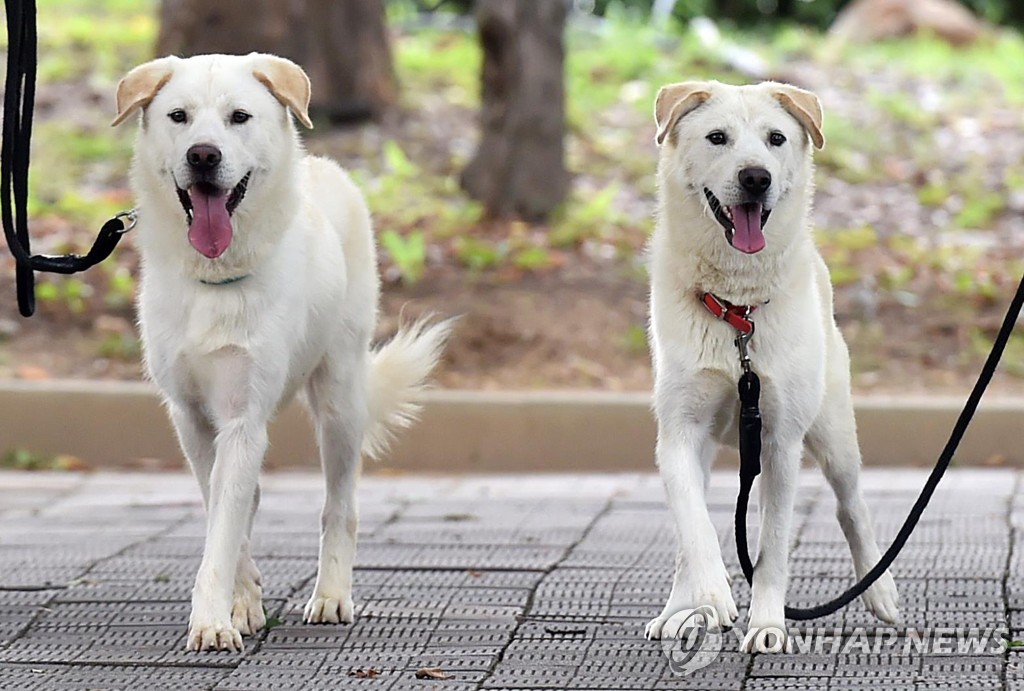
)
(755, 180)
(203, 157)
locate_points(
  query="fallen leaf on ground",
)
(431, 673)
(68, 462)
(32, 373)
(369, 673)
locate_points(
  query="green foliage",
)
(20, 458)
(477, 254)
(819, 13)
(79, 38)
(1012, 362)
(440, 63)
(635, 340)
(120, 286)
(980, 208)
(968, 72)
(933, 193)
(69, 293)
(532, 259)
(408, 254)
(585, 217)
(273, 621)
(115, 346)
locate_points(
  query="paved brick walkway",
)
(502, 583)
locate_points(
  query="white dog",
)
(259, 279)
(735, 186)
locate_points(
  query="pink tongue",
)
(210, 232)
(747, 220)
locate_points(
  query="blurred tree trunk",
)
(519, 167)
(1015, 13)
(342, 44)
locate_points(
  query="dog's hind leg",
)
(832, 441)
(338, 402)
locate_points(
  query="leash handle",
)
(19, 101)
(19, 95)
(941, 465)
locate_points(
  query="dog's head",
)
(741, 149)
(212, 127)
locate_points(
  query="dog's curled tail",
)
(398, 374)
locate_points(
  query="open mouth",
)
(743, 223)
(208, 209)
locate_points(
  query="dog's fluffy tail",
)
(398, 374)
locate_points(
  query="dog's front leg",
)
(197, 438)
(701, 579)
(240, 445)
(778, 480)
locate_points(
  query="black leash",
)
(750, 464)
(19, 101)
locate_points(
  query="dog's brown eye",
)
(776, 139)
(717, 138)
(178, 115)
(239, 116)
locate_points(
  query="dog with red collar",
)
(732, 251)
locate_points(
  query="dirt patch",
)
(537, 332)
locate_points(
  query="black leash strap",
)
(750, 460)
(19, 100)
(750, 466)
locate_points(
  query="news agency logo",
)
(699, 642)
(696, 645)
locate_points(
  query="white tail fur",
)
(398, 374)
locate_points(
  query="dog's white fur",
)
(227, 356)
(797, 349)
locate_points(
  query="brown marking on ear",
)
(140, 85)
(673, 102)
(287, 82)
(805, 107)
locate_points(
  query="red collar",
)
(736, 316)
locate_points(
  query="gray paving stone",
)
(503, 583)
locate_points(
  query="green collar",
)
(226, 281)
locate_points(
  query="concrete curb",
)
(121, 424)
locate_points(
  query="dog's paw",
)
(676, 625)
(883, 600)
(719, 611)
(323, 609)
(214, 636)
(771, 638)
(247, 613)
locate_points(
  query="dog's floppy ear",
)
(287, 81)
(805, 107)
(139, 86)
(673, 102)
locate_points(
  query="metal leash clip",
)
(131, 215)
(741, 343)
